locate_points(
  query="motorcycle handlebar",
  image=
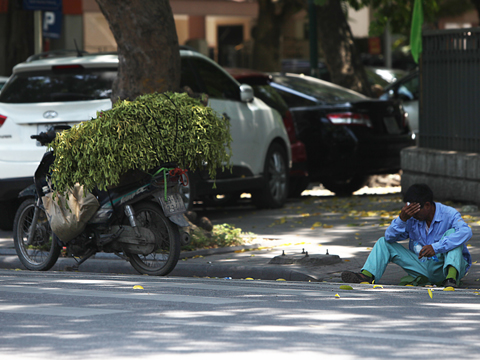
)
(44, 138)
(47, 137)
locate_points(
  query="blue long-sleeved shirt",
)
(445, 218)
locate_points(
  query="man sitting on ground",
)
(437, 230)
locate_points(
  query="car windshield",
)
(270, 97)
(67, 84)
(321, 90)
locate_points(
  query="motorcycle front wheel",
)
(165, 256)
(43, 251)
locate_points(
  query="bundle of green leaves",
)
(141, 134)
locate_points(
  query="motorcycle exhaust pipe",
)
(131, 218)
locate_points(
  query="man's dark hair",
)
(419, 193)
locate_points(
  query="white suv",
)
(69, 90)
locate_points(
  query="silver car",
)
(406, 89)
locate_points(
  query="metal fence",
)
(450, 90)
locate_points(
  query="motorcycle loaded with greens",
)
(112, 184)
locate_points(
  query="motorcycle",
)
(140, 221)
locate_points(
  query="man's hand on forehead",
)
(408, 210)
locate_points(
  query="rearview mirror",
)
(246, 93)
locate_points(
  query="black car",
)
(348, 136)
(260, 82)
(379, 76)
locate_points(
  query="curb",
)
(183, 254)
(267, 272)
(111, 263)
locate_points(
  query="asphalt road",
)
(97, 316)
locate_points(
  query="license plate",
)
(391, 125)
(173, 205)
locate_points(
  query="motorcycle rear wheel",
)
(165, 256)
(44, 250)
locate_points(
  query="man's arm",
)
(462, 234)
(397, 231)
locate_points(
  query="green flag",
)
(416, 30)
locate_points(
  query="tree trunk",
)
(271, 16)
(341, 57)
(266, 49)
(148, 52)
(19, 35)
(476, 4)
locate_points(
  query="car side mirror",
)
(246, 93)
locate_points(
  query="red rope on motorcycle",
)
(180, 172)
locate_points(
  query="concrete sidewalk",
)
(337, 234)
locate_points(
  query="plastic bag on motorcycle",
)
(68, 215)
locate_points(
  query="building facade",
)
(221, 29)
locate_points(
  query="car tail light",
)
(299, 153)
(349, 118)
(289, 126)
(2, 119)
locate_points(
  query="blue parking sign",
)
(52, 24)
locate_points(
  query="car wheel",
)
(187, 191)
(297, 185)
(274, 192)
(345, 187)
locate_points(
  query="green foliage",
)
(222, 236)
(141, 134)
(398, 14)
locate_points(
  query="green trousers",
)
(385, 252)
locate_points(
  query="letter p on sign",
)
(48, 20)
